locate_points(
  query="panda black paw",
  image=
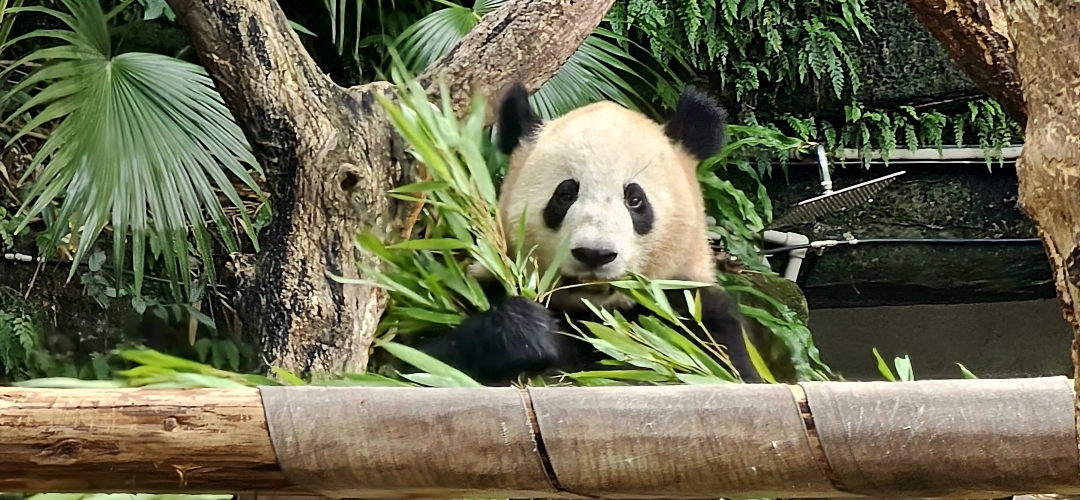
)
(721, 316)
(515, 336)
(722, 320)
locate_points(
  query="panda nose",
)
(593, 257)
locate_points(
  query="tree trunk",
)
(330, 155)
(975, 34)
(1046, 34)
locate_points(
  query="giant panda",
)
(623, 189)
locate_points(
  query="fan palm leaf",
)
(597, 70)
(143, 142)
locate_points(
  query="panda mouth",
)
(579, 286)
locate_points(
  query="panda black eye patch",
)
(641, 212)
(560, 202)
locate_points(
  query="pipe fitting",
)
(795, 256)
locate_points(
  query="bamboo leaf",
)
(757, 361)
(436, 372)
(431, 244)
(287, 376)
(883, 368)
(903, 369)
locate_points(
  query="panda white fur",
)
(623, 189)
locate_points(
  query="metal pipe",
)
(940, 241)
(797, 243)
(924, 154)
(823, 163)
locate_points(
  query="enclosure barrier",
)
(959, 438)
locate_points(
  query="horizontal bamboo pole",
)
(961, 439)
(136, 441)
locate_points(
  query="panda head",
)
(620, 186)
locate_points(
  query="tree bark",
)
(975, 34)
(1048, 56)
(330, 155)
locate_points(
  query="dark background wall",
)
(992, 339)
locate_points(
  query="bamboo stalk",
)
(962, 439)
(136, 441)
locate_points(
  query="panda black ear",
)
(516, 118)
(699, 124)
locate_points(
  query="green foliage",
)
(10, 227)
(154, 9)
(197, 333)
(983, 122)
(427, 278)
(164, 123)
(600, 69)
(772, 56)
(740, 217)
(433, 373)
(366, 29)
(904, 371)
(788, 43)
(25, 352)
(22, 353)
(157, 370)
(788, 329)
(151, 369)
(668, 355)
(903, 368)
(143, 143)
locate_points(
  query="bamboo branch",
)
(961, 438)
(260, 67)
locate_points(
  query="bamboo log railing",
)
(960, 438)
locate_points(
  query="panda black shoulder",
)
(699, 124)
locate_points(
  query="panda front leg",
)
(721, 317)
(514, 336)
(724, 323)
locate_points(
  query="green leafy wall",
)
(903, 64)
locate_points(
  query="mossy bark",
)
(1045, 34)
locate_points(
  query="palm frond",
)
(143, 143)
(434, 34)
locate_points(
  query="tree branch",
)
(524, 39)
(251, 52)
(975, 34)
(304, 130)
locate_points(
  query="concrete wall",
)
(993, 340)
